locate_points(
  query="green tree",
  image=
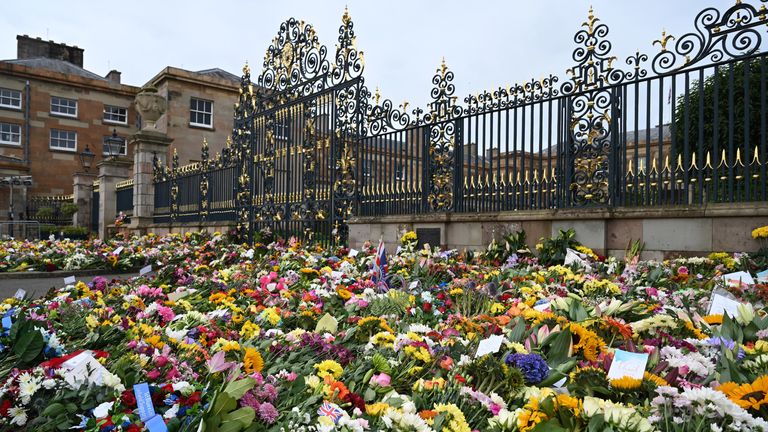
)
(720, 97)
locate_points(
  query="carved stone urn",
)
(151, 106)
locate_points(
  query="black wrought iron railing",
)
(47, 209)
(312, 146)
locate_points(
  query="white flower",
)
(27, 389)
(184, 387)
(49, 384)
(112, 380)
(102, 410)
(18, 416)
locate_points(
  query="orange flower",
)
(427, 414)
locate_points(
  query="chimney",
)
(28, 47)
(113, 76)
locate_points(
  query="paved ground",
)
(38, 287)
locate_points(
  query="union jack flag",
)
(329, 410)
(380, 263)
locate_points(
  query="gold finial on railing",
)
(663, 40)
(629, 168)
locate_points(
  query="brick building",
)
(52, 109)
(200, 105)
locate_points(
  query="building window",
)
(400, 172)
(282, 129)
(63, 140)
(114, 114)
(201, 113)
(10, 98)
(10, 134)
(123, 147)
(63, 106)
(367, 168)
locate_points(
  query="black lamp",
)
(112, 144)
(86, 158)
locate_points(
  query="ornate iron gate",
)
(295, 136)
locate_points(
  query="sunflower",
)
(713, 319)
(588, 341)
(626, 383)
(748, 396)
(252, 361)
(659, 381)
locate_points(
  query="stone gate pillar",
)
(148, 143)
(83, 193)
(111, 171)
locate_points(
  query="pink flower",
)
(153, 374)
(166, 313)
(161, 361)
(682, 270)
(381, 380)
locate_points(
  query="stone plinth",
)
(111, 171)
(147, 144)
(83, 193)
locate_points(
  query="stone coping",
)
(64, 273)
(693, 211)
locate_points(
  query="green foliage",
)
(68, 209)
(512, 243)
(687, 119)
(553, 249)
(44, 213)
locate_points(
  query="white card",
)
(145, 270)
(722, 305)
(83, 367)
(571, 256)
(628, 364)
(69, 280)
(541, 307)
(117, 251)
(489, 345)
(738, 277)
(337, 274)
(177, 295)
(353, 253)
(413, 285)
(20, 293)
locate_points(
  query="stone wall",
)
(666, 232)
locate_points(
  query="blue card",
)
(7, 322)
(156, 424)
(144, 401)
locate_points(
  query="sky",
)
(486, 44)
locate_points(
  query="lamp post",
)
(86, 158)
(112, 145)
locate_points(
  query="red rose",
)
(128, 399)
(4, 407)
(427, 306)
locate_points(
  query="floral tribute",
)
(278, 336)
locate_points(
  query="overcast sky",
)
(486, 44)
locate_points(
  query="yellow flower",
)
(761, 232)
(249, 329)
(252, 361)
(228, 345)
(456, 291)
(587, 251)
(626, 383)
(752, 396)
(329, 368)
(408, 237)
(376, 409)
(659, 381)
(455, 420)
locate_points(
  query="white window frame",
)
(111, 113)
(6, 93)
(63, 114)
(197, 111)
(104, 143)
(11, 133)
(57, 148)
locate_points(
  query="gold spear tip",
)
(345, 18)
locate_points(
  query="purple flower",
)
(533, 367)
(268, 413)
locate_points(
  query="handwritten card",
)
(737, 278)
(628, 364)
(489, 345)
(145, 270)
(413, 285)
(20, 293)
(144, 401)
(83, 368)
(69, 280)
(542, 305)
(722, 305)
(117, 251)
(353, 253)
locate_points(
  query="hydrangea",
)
(533, 367)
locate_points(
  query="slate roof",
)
(55, 65)
(219, 73)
